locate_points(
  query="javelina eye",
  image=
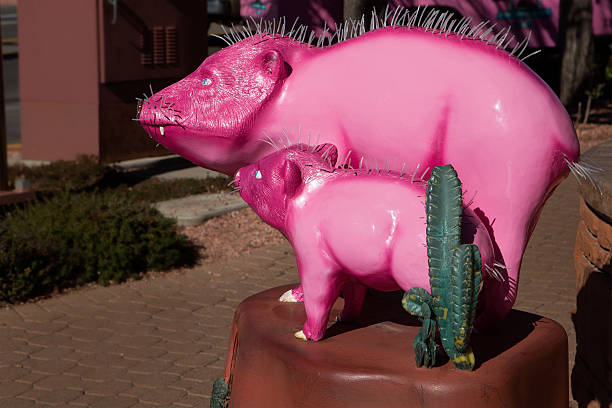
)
(258, 174)
(206, 81)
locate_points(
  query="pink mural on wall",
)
(538, 17)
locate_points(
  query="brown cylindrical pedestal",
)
(592, 373)
(371, 363)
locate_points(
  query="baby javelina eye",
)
(206, 81)
(258, 174)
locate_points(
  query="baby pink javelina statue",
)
(420, 88)
(350, 228)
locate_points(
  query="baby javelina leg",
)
(354, 294)
(321, 284)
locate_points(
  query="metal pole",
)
(3, 165)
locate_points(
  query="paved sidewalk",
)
(547, 284)
(157, 342)
(162, 341)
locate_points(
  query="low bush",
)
(152, 190)
(54, 177)
(87, 174)
(71, 239)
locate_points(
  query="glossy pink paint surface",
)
(350, 229)
(398, 95)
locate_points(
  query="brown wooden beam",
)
(3, 159)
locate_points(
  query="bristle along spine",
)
(434, 20)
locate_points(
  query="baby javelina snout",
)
(350, 228)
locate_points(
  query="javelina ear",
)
(292, 175)
(328, 152)
(275, 65)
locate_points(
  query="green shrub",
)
(82, 173)
(74, 238)
(152, 190)
(86, 174)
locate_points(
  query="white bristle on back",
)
(431, 19)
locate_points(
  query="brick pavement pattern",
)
(162, 341)
(547, 284)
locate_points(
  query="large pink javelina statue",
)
(422, 89)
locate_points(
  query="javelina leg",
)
(320, 293)
(354, 295)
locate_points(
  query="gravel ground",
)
(593, 134)
(599, 128)
(232, 235)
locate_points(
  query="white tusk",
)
(161, 130)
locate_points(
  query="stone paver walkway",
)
(157, 342)
(162, 341)
(547, 284)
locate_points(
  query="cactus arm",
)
(219, 397)
(417, 301)
(465, 281)
(425, 344)
(413, 299)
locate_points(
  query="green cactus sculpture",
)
(454, 275)
(219, 397)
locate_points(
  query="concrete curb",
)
(167, 168)
(196, 209)
(144, 162)
(190, 172)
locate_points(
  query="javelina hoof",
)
(288, 297)
(300, 335)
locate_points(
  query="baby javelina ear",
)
(292, 176)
